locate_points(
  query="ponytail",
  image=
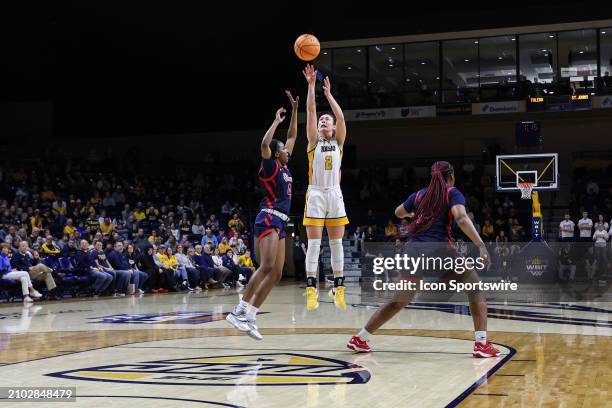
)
(433, 202)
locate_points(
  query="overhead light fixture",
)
(324, 52)
(544, 50)
(475, 42)
(391, 65)
(499, 58)
(358, 49)
(423, 63)
(437, 77)
(466, 60)
(581, 52)
(349, 67)
(407, 79)
(513, 39)
(393, 48)
(603, 32)
(551, 36)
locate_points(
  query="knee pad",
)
(312, 255)
(337, 254)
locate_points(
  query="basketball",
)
(307, 47)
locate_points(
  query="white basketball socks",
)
(480, 337)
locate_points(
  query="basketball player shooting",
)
(324, 203)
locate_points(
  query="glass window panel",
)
(386, 74)
(578, 58)
(323, 65)
(497, 60)
(460, 70)
(605, 46)
(349, 74)
(538, 57)
(422, 73)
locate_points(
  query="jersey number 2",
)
(328, 162)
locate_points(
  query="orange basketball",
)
(307, 47)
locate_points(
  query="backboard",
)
(540, 169)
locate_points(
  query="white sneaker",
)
(27, 299)
(239, 321)
(253, 330)
(140, 292)
(36, 294)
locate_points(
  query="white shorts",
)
(324, 207)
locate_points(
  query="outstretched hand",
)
(326, 87)
(294, 102)
(310, 74)
(279, 115)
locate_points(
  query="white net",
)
(526, 189)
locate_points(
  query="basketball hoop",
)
(526, 189)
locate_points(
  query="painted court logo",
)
(248, 369)
(162, 318)
(536, 266)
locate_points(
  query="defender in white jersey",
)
(324, 204)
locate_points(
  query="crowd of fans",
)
(79, 231)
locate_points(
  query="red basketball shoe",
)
(358, 345)
(485, 350)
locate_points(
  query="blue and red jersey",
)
(440, 229)
(276, 182)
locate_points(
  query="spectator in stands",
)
(106, 228)
(566, 228)
(140, 240)
(139, 214)
(217, 258)
(193, 274)
(7, 272)
(585, 226)
(600, 236)
(234, 233)
(197, 229)
(49, 248)
(185, 226)
(488, 231)
(119, 260)
(69, 228)
(245, 261)
(391, 231)
(85, 263)
(237, 271)
(566, 264)
(236, 223)
(132, 255)
(23, 260)
(121, 279)
(68, 250)
(213, 223)
(209, 237)
(180, 274)
(600, 220)
(204, 263)
(223, 246)
(159, 278)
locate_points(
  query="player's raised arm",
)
(311, 107)
(464, 222)
(265, 142)
(335, 107)
(292, 131)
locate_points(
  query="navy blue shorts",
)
(266, 223)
